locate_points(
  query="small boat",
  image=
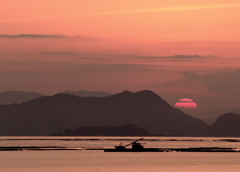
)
(136, 147)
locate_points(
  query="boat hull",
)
(134, 150)
(199, 149)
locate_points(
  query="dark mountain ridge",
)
(211, 116)
(227, 125)
(83, 93)
(50, 114)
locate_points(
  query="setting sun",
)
(186, 103)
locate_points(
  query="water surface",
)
(97, 160)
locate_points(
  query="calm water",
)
(97, 160)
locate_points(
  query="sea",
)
(83, 160)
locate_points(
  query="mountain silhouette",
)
(226, 125)
(51, 114)
(11, 97)
(211, 116)
(82, 93)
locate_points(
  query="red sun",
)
(186, 103)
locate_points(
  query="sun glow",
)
(186, 103)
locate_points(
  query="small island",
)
(124, 130)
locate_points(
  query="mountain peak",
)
(146, 93)
(226, 125)
(149, 94)
(228, 116)
(127, 92)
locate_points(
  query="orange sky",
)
(145, 20)
(123, 45)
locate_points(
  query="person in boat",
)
(137, 146)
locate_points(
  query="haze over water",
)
(98, 160)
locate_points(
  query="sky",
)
(176, 48)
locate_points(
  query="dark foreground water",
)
(97, 160)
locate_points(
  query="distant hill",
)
(82, 93)
(211, 116)
(237, 111)
(227, 125)
(124, 130)
(51, 114)
(11, 97)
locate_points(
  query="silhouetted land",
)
(124, 130)
(11, 97)
(51, 114)
(227, 125)
(211, 116)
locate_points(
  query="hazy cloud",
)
(33, 36)
(168, 9)
(68, 68)
(80, 55)
(164, 57)
(50, 36)
(179, 83)
(165, 61)
(180, 56)
(67, 53)
(222, 83)
(186, 58)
